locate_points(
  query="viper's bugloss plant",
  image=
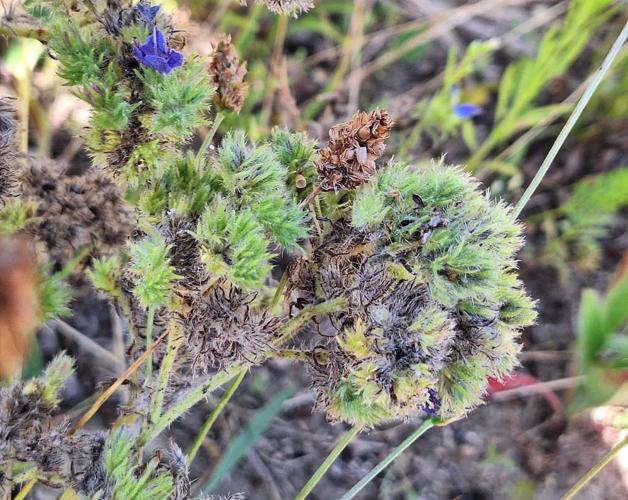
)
(426, 262)
(410, 266)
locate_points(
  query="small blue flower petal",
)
(155, 53)
(175, 59)
(432, 406)
(148, 12)
(466, 110)
(160, 41)
(158, 64)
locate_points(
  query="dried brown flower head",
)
(227, 74)
(76, 211)
(354, 146)
(374, 337)
(29, 434)
(223, 327)
(8, 152)
(185, 254)
(290, 7)
(18, 302)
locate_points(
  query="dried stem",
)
(107, 393)
(96, 349)
(17, 31)
(595, 470)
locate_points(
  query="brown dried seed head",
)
(76, 211)
(8, 152)
(223, 326)
(354, 146)
(227, 74)
(290, 7)
(18, 302)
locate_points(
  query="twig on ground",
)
(68, 331)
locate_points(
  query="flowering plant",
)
(393, 283)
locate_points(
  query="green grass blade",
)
(573, 118)
(247, 438)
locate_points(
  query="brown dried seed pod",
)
(290, 7)
(354, 146)
(222, 327)
(227, 74)
(29, 434)
(76, 211)
(185, 254)
(8, 152)
(18, 302)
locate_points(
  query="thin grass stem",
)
(202, 434)
(26, 489)
(209, 137)
(406, 443)
(331, 458)
(595, 470)
(573, 118)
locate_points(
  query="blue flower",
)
(148, 12)
(466, 110)
(157, 55)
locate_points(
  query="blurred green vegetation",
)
(602, 347)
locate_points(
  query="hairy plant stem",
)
(331, 458)
(290, 354)
(196, 394)
(192, 397)
(150, 320)
(594, 471)
(424, 427)
(293, 325)
(24, 91)
(281, 286)
(174, 341)
(202, 434)
(120, 299)
(200, 156)
(573, 118)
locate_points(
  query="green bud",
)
(55, 295)
(152, 274)
(105, 274)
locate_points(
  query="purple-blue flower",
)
(466, 110)
(432, 406)
(148, 12)
(155, 54)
